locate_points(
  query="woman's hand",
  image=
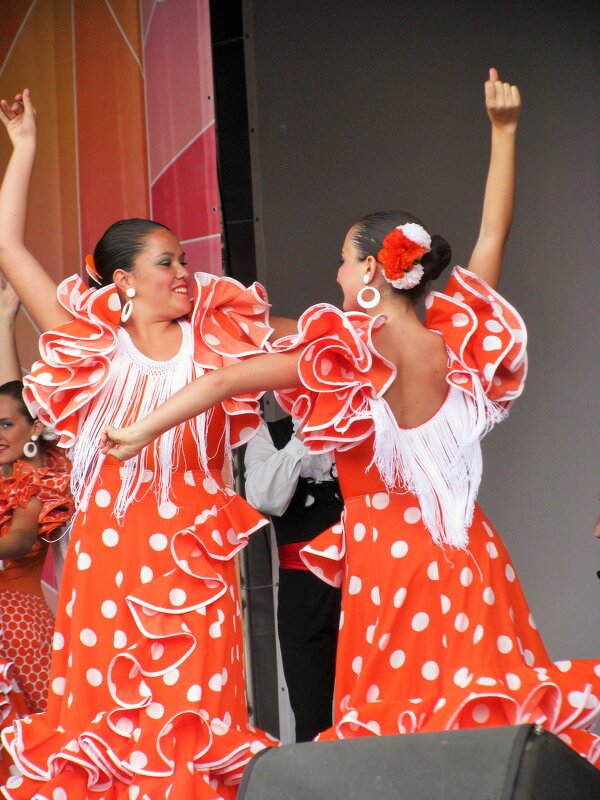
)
(123, 443)
(502, 101)
(18, 118)
(9, 302)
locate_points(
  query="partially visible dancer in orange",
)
(147, 691)
(435, 631)
(35, 506)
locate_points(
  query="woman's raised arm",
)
(10, 369)
(261, 373)
(503, 103)
(35, 288)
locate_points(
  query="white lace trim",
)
(439, 461)
(143, 384)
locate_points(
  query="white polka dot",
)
(563, 666)
(194, 693)
(466, 576)
(120, 640)
(488, 596)
(370, 633)
(486, 681)
(359, 532)
(488, 530)
(14, 782)
(114, 302)
(529, 658)
(167, 510)
(170, 678)
(88, 637)
(399, 549)
(138, 759)
(478, 634)
(420, 621)
(480, 713)
(102, 498)
(158, 541)
(492, 550)
(430, 670)
(155, 710)
(445, 604)
(460, 320)
(83, 561)
(384, 641)
(510, 573)
(355, 585)
(505, 644)
(372, 693)
(532, 622)
(491, 343)
(119, 578)
(109, 609)
(156, 650)
(125, 726)
(412, 515)
(380, 500)
(146, 575)
(397, 659)
(94, 677)
(375, 597)
(44, 378)
(58, 641)
(110, 537)
(210, 485)
(400, 597)
(461, 623)
(216, 683)
(513, 681)
(462, 677)
(215, 630)
(357, 665)
(216, 537)
(59, 794)
(58, 686)
(433, 571)
(494, 326)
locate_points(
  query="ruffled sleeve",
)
(75, 358)
(50, 484)
(340, 372)
(230, 323)
(485, 336)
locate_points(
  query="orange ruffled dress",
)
(146, 694)
(26, 622)
(435, 632)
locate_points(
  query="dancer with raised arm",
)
(436, 633)
(147, 694)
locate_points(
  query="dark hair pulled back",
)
(14, 389)
(120, 244)
(370, 231)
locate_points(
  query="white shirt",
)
(272, 474)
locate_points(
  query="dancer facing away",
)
(35, 505)
(146, 688)
(435, 632)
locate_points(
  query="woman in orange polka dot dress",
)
(146, 694)
(435, 632)
(35, 505)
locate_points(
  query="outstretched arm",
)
(271, 371)
(23, 531)
(503, 104)
(34, 286)
(10, 369)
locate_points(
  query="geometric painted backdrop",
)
(125, 102)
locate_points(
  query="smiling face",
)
(160, 278)
(351, 273)
(15, 431)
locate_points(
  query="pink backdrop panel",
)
(204, 255)
(185, 195)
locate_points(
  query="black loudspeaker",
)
(521, 762)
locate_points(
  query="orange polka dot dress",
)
(26, 622)
(146, 695)
(435, 632)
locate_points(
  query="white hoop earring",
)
(128, 307)
(30, 448)
(362, 302)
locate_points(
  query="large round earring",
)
(363, 302)
(30, 448)
(128, 307)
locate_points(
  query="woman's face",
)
(350, 274)
(160, 277)
(15, 431)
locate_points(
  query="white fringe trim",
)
(139, 383)
(439, 461)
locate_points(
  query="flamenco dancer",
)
(436, 633)
(35, 505)
(146, 693)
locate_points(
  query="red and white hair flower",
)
(400, 254)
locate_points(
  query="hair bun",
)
(437, 259)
